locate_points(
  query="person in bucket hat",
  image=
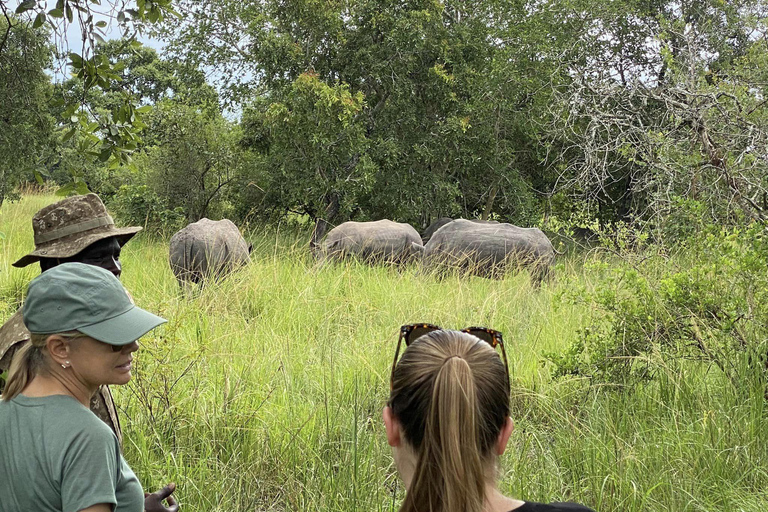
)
(68, 227)
(83, 329)
(75, 229)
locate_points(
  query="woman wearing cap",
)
(447, 420)
(57, 455)
(75, 229)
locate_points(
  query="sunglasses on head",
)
(411, 332)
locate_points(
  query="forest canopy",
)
(520, 111)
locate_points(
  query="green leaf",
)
(69, 135)
(70, 16)
(81, 187)
(76, 60)
(38, 177)
(56, 13)
(25, 6)
(66, 189)
(105, 154)
(39, 20)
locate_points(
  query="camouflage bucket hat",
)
(65, 228)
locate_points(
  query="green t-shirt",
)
(57, 456)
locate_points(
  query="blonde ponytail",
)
(451, 397)
(450, 474)
(22, 370)
(29, 360)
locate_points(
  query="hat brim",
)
(67, 249)
(124, 328)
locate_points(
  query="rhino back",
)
(382, 239)
(493, 242)
(207, 246)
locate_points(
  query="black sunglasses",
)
(412, 332)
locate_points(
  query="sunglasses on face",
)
(412, 332)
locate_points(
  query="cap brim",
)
(71, 248)
(124, 328)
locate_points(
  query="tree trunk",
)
(489, 203)
(322, 223)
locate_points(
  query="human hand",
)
(154, 502)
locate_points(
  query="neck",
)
(59, 383)
(495, 501)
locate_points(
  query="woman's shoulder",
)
(63, 416)
(532, 506)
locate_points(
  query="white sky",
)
(73, 38)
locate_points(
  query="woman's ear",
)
(58, 348)
(392, 427)
(503, 439)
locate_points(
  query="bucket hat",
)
(65, 228)
(85, 298)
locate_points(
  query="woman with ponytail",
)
(55, 454)
(447, 420)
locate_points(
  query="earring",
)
(65, 365)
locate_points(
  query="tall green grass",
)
(265, 390)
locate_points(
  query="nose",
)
(131, 347)
(115, 267)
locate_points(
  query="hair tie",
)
(451, 357)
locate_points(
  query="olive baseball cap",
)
(85, 298)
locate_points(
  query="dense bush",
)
(707, 302)
(138, 205)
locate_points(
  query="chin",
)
(121, 378)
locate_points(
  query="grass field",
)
(264, 392)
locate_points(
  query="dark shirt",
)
(531, 506)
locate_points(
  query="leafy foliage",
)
(436, 89)
(315, 146)
(26, 127)
(712, 309)
(113, 134)
(194, 159)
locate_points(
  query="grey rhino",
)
(207, 248)
(488, 248)
(440, 222)
(381, 241)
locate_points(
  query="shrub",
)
(139, 205)
(709, 302)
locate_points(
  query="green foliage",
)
(435, 100)
(114, 134)
(138, 205)
(194, 160)
(314, 143)
(26, 127)
(646, 317)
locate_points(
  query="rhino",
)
(207, 248)
(489, 248)
(381, 241)
(440, 222)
